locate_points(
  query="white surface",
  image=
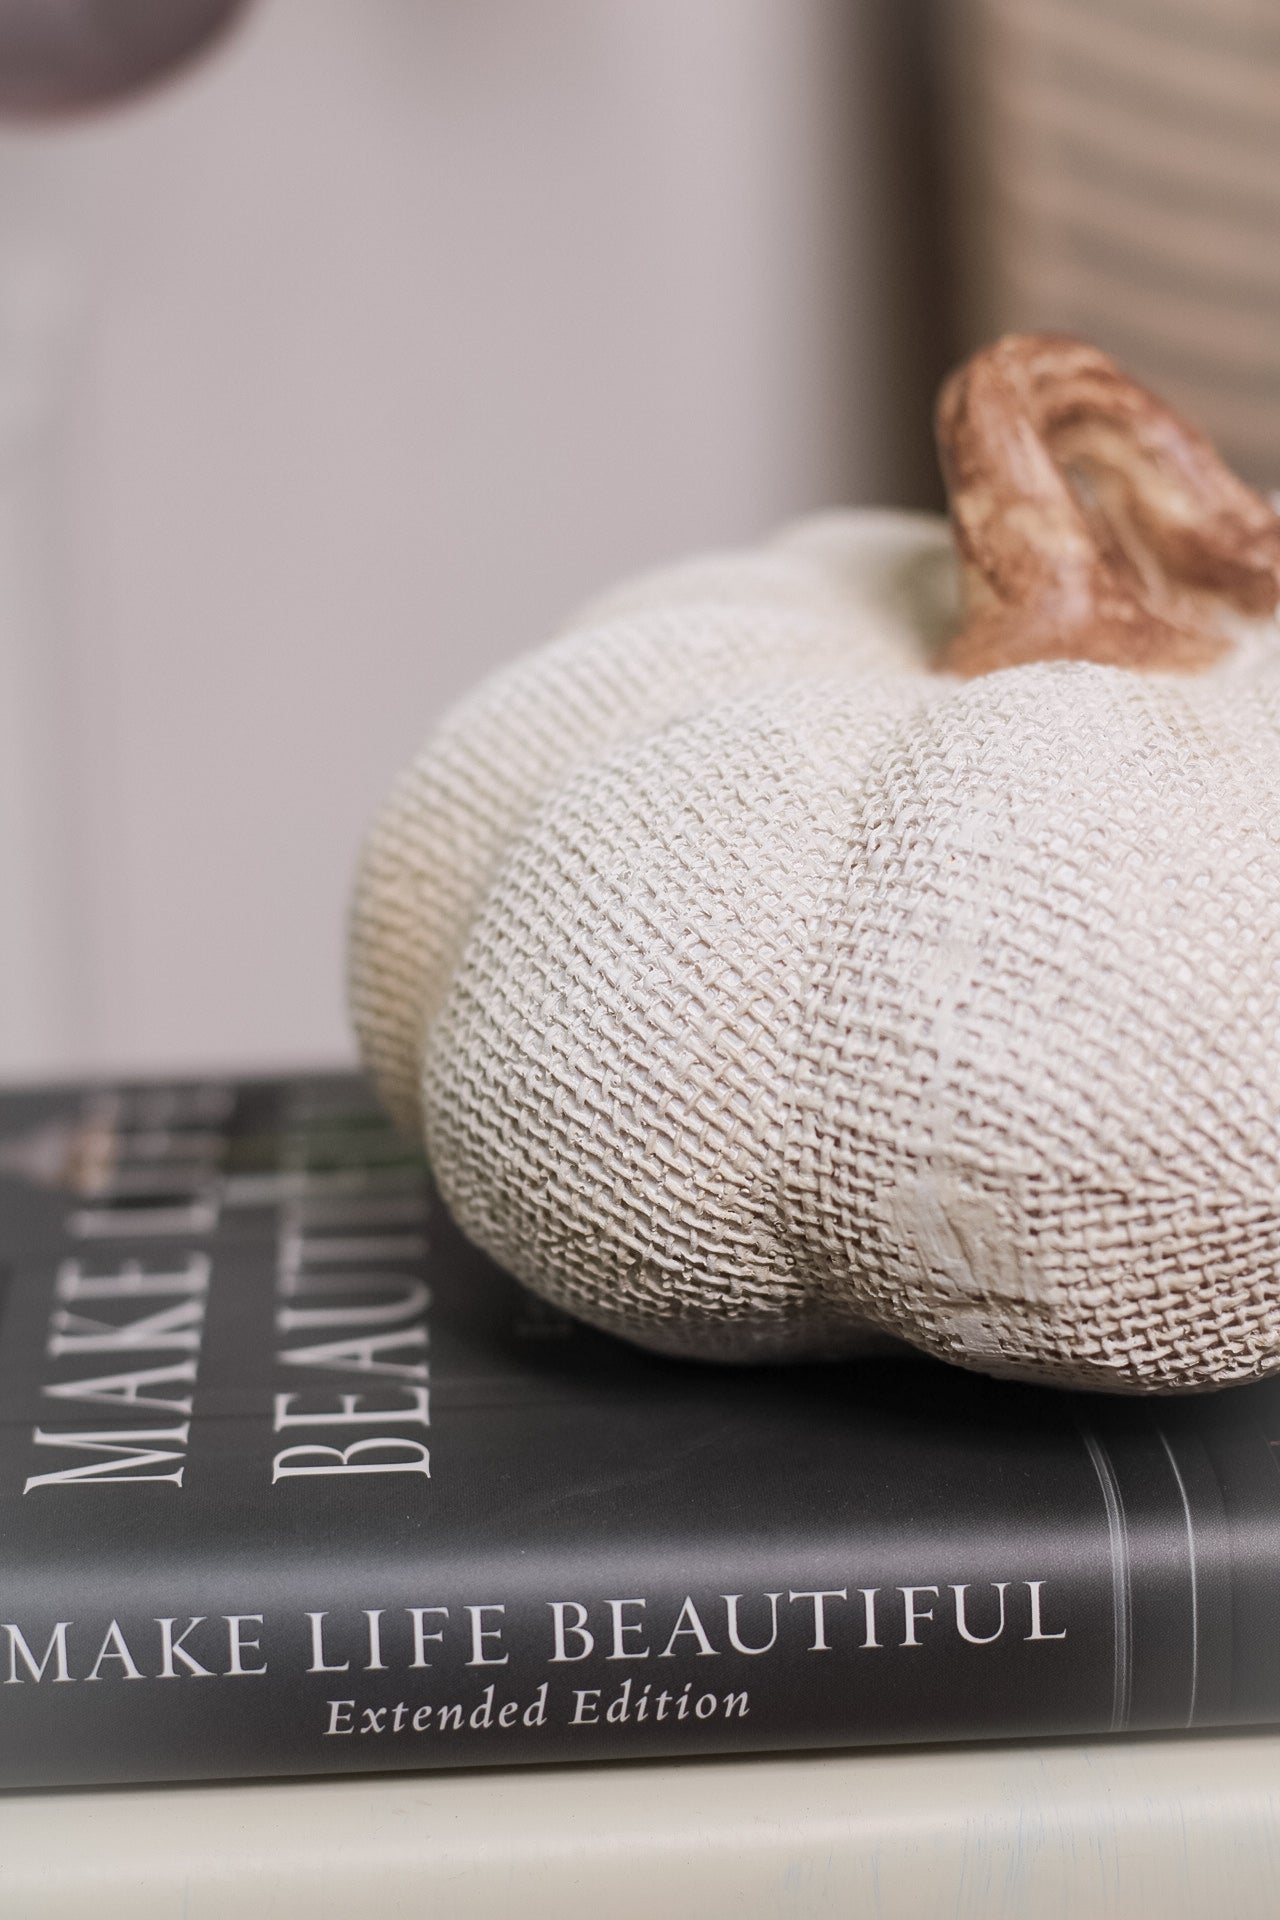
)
(1181, 1828)
(361, 355)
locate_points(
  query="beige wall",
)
(341, 371)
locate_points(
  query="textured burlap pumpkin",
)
(765, 980)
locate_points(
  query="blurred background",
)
(347, 345)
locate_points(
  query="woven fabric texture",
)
(760, 992)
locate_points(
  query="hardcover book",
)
(292, 1480)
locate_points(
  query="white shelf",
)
(1123, 1830)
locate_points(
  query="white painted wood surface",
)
(1186, 1828)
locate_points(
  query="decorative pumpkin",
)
(831, 941)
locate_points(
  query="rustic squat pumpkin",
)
(830, 941)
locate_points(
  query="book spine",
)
(1122, 1616)
(198, 1686)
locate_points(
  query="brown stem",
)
(1092, 522)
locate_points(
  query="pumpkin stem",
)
(1092, 522)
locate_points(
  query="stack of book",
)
(293, 1481)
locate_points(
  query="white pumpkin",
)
(761, 990)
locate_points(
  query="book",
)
(294, 1481)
